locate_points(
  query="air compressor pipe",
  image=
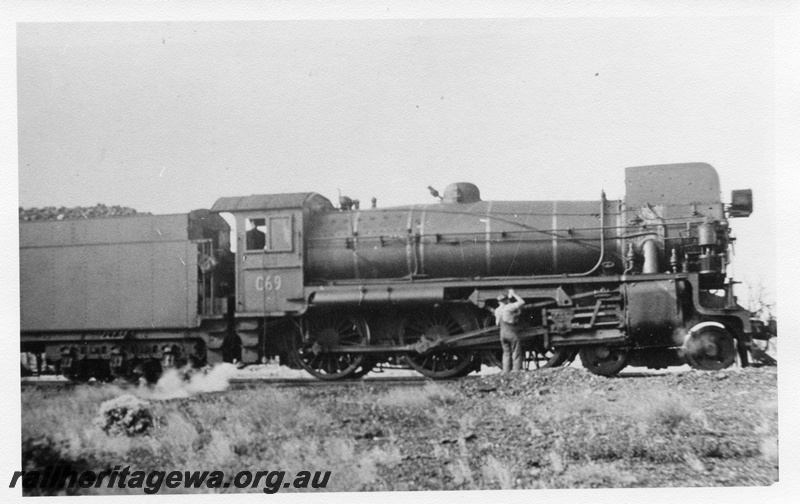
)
(602, 238)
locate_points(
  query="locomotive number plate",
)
(268, 282)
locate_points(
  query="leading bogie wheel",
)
(709, 347)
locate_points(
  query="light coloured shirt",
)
(509, 312)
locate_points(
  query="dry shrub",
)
(440, 394)
(125, 415)
(668, 410)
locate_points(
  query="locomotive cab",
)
(269, 264)
(269, 250)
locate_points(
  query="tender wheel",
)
(323, 331)
(709, 347)
(432, 325)
(604, 360)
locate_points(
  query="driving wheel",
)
(325, 331)
(431, 326)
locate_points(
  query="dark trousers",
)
(512, 349)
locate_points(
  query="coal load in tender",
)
(62, 213)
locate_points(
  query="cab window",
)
(256, 232)
(273, 234)
(280, 234)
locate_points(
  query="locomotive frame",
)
(340, 291)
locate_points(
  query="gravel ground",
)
(565, 427)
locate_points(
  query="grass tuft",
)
(495, 471)
(430, 394)
(668, 410)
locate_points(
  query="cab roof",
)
(309, 200)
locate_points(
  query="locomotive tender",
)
(340, 291)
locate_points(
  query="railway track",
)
(244, 383)
(406, 381)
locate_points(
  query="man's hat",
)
(502, 298)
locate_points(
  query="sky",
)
(167, 117)
(167, 106)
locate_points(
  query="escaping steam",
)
(679, 335)
(175, 383)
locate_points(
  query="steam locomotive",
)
(341, 290)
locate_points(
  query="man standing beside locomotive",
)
(507, 316)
